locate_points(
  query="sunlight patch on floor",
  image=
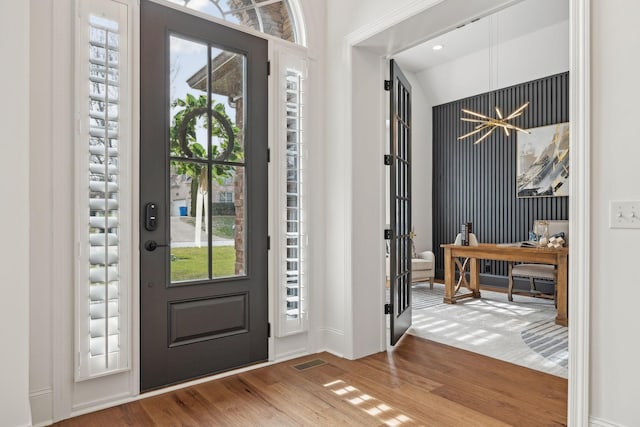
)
(367, 403)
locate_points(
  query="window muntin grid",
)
(273, 17)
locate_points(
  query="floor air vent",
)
(310, 364)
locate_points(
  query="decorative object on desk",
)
(533, 237)
(489, 124)
(473, 241)
(542, 167)
(541, 228)
(551, 228)
(556, 242)
(464, 232)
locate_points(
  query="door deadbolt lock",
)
(151, 216)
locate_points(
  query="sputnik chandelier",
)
(489, 124)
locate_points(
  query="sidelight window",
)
(291, 174)
(103, 199)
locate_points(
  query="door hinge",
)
(268, 243)
(388, 234)
(388, 159)
(268, 68)
(388, 309)
(268, 155)
(387, 85)
(268, 329)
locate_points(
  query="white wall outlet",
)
(624, 214)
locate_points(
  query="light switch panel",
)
(623, 214)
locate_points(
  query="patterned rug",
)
(522, 332)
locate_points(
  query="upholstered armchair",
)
(423, 266)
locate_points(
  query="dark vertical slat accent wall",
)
(477, 182)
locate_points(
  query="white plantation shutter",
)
(103, 195)
(291, 151)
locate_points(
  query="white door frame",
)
(579, 202)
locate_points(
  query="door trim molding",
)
(579, 212)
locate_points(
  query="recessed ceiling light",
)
(437, 47)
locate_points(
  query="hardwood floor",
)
(420, 383)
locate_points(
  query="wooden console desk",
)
(558, 257)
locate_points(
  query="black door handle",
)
(152, 245)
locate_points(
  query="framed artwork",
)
(542, 168)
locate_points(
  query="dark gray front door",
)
(203, 197)
(400, 203)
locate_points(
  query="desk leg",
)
(449, 277)
(563, 273)
(474, 272)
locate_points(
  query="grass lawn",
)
(222, 225)
(192, 263)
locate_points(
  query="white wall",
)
(351, 285)
(14, 215)
(533, 56)
(422, 167)
(615, 349)
(367, 177)
(41, 244)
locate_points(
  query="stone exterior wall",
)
(276, 19)
(238, 197)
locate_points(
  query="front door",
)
(400, 203)
(203, 197)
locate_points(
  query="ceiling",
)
(507, 24)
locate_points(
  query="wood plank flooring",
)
(419, 383)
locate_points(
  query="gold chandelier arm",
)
(490, 123)
(518, 111)
(513, 127)
(513, 116)
(473, 113)
(480, 129)
(466, 119)
(485, 135)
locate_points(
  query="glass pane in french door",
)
(188, 99)
(207, 182)
(228, 223)
(189, 225)
(227, 89)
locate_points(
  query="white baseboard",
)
(99, 404)
(294, 354)
(41, 407)
(332, 341)
(599, 422)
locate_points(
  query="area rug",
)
(522, 332)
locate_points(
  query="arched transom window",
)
(274, 17)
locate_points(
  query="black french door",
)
(400, 203)
(203, 197)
